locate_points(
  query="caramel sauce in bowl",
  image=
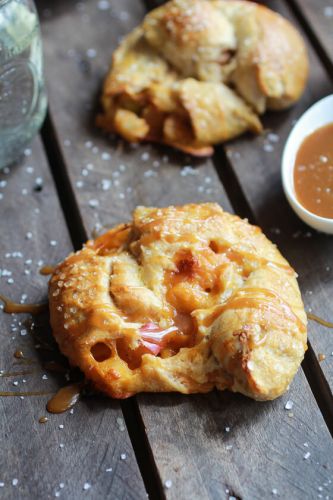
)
(310, 145)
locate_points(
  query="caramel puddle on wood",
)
(46, 270)
(13, 307)
(321, 321)
(64, 399)
(18, 354)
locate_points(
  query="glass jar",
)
(22, 90)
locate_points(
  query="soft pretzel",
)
(198, 72)
(181, 299)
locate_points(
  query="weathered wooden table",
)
(73, 181)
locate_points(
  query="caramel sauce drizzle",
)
(13, 307)
(257, 298)
(46, 270)
(319, 320)
(64, 399)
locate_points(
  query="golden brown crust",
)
(182, 299)
(198, 72)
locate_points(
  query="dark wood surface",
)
(318, 19)
(33, 231)
(187, 435)
(214, 446)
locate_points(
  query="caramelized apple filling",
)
(157, 341)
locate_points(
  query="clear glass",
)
(23, 99)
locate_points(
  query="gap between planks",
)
(129, 407)
(311, 35)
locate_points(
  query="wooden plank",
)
(72, 449)
(265, 447)
(257, 166)
(318, 14)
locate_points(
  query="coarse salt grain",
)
(106, 184)
(106, 156)
(123, 456)
(91, 53)
(307, 455)
(289, 404)
(93, 203)
(268, 147)
(103, 5)
(145, 156)
(168, 483)
(15, 482)
(86, 486)
(150, 173)
(328, 11)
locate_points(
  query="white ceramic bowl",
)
(318, 115)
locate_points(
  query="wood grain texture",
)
(318, 14)
(257, 164)
(32, 229)
(265, 447)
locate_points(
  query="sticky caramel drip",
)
(46, 270)
(64, 399)
(11, 307)
(319, 320)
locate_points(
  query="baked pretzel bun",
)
(199, 72)
(181, 299)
